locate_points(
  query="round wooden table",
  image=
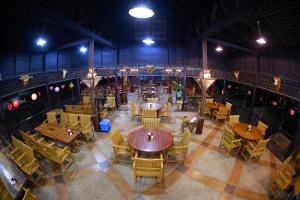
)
(241, 130)
(151, 106)
(161, 141)
(213, 105)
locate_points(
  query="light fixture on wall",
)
(150, 68)
(64, 73)
(277, 82)
(148, 41)
(206, 74)
(237, 75)
(25, 79)
(41, 42)
(261, 40)
(83, 49)
(141, 12)
(219, 49)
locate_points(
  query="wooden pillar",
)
(204, 67)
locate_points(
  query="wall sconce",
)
(277, 82)
(206, 74)
(150, 68)
(237, 75)
(64, 73)
(168, 70)
(25, 78)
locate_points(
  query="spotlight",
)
(41, 42)
(219, 49)
(83, 49)
(261, 40)
(148, 41)
(141, 12)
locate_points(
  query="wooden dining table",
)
(139, 140)
(241, 129)
(214, 105)
(59, 133)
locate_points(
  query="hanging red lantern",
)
(62, 86)
(51, 87)
(81, 82)
(229, 86)
(292, 112)
(16, 103)
(40, 94)
(9, 106)
(222, 92)
(274, 103)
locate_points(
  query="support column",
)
(204, 67)
(91, 53)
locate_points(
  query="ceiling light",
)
(41, 42)
(141, 12)
(261, 40)
(83, 49)
(148, 41)
(219, 49)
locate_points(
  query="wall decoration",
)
(237, 75)
(64, 73)
(277, 82)
(25, 79)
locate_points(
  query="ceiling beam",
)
(72, 44)
(229, 44)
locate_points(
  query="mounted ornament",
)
(25, 78)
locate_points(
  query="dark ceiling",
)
(230, 20)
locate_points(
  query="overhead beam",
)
(229, 44)
(37, 13)
(236, 15)
(72, 44)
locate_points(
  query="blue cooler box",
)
(105, 125)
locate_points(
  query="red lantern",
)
(9, 106)
(229, 86)
(62, 86)
(81, 82)
(51, 88)
(40, 94)
(16, 104)
(274, 103)
(292, 112)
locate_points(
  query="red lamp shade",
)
(292, 112)
(9, 106)
(16, 104)
(62, 86)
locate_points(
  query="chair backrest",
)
(262, 127)
(51, 118)
(116, 137)
(233, 119)
(209, 100)
(23, 148)
(150, 113)
(151, 122)
(229, 134)
(86, 99)
(186, 137)
(168, 108)
(64, 120)
(222, 110)
(111, 101)
(84, 120)
(148, 163)
(262, 144)
(73, 118)
(228, 105)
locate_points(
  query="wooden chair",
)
(134, 111)
(230, 142)
(283, 180)
(150, 167)
(151, 122)
(254, 150)
(86, 100)
(167, 112)
(64, 120)
(22, 155)
(180, 148)
(209, 100)
(149, 113)
(262, 127)
(86, 127)
(111, 102)
(233, 119)
(221, 114)
(29, 195)
(51, 118)
(58, 155)
(120, 147)
(73, 121)
(228, 107)
(4, 193)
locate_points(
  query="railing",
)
(290, 88)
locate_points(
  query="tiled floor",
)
(207, 173)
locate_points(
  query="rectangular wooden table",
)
(59, 133)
